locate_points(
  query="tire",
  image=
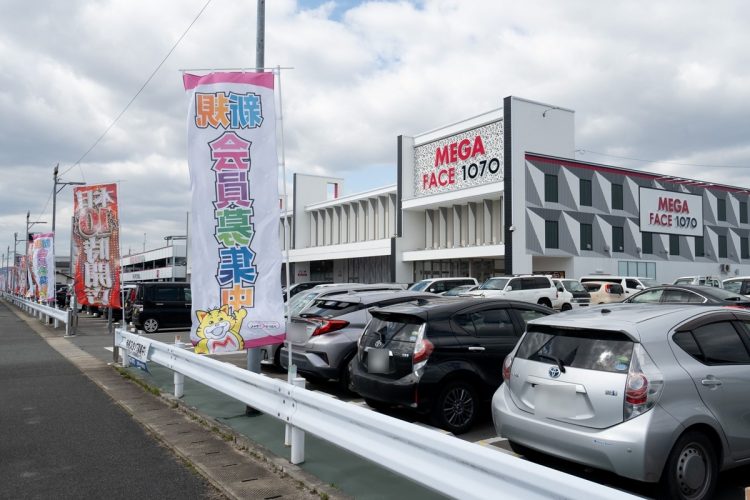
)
(345, 380)
(277, 357)
(377, 405)
(150, 325)
(692, 468)
(545, 302)
(456, 407)
(566, 307)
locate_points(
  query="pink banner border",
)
(249, 77)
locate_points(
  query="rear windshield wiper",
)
(558, 361)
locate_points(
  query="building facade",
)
(161, 264)
(501, 193)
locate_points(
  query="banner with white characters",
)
(234, 214)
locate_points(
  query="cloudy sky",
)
(660, 86)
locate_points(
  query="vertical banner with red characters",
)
(235, 253)
(43, 266)
(96, 235)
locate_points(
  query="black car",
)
(443, 357)
(689, 294)
(161, 305)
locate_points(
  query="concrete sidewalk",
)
(233, 465)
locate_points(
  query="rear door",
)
(572, 375)
(487, 334)
(716, 355)
(168, 305)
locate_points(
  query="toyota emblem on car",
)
(554, 372)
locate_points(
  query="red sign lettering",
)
(462, 150)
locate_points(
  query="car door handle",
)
(476, 348)
(159, 303)
(710, 382)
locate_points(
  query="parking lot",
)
(93, 338)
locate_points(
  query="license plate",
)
(554, 401)
(377, 360)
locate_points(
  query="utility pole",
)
(15, 273)
(56, 182)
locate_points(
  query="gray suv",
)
(656, 393)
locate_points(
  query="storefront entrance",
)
(481, 269)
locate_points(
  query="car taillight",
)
(507, 365)
(422, 349)
(643, 385)
(330, 325)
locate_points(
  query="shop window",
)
(587, 238)
(674, 244)
(550, 188)
(637, 268)
(699, 248)
(722, 247)
(743, 212)
(647, 243)
(617, 203)
(551, 239)
(744, 248)
(618, 239)
(585, 186)
(721, 209)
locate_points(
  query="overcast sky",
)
(666, 82)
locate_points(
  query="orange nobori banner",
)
(96, 236)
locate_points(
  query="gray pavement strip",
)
(237, 467)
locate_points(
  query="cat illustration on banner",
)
(219, 331)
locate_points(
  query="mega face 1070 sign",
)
(471, 158)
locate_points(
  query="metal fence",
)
(43, 312)
(437, 461)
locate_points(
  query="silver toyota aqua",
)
(656, 393)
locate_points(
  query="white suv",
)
(534, 289)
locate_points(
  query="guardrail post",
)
(179, 378)
(297, 434)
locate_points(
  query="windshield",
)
(573, 286)
(648, 283)
(733, 286)
(420, 286)
(332, 308)
(494, 284)
(299, 302)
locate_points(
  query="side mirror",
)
(431, 290)
(640, 287)
(508, 288)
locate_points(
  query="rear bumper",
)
(400, 392)
(636, 448)
(308, 362)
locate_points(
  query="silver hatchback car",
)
(656, 393)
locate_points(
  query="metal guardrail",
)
(440, 462)
(42, 311)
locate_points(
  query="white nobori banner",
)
(234, 214)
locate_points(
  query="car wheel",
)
(455, 409)
(545, 302)
(377, 405)
(345, 380)
(566, 307)
(692, 468)
(151, 325)
(277, 356)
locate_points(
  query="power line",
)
(584, 151)
(114, 122)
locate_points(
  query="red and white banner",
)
(43, 266)
(236, 258)
(96, 235)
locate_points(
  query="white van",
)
(441, 285)
(631, 284)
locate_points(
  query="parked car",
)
(160, 305)
(691, 294)
(297, 304)
(301, 287)
(602, 292)
(699, 280)
(533, 289)
(337, 322)
(655, 393)
(629, 284)
(455, 292)
(740, 284)
(440, 285)
(570, 295)
(442, 357)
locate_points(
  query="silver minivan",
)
(656, 393)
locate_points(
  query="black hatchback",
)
(441, 356)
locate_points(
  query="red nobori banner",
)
(96, 235)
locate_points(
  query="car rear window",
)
(592, 287)
(598, 350)
(331, 308)
(401, 329)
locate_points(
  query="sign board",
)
(468, 159)
(670, 212)
(138, 349)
